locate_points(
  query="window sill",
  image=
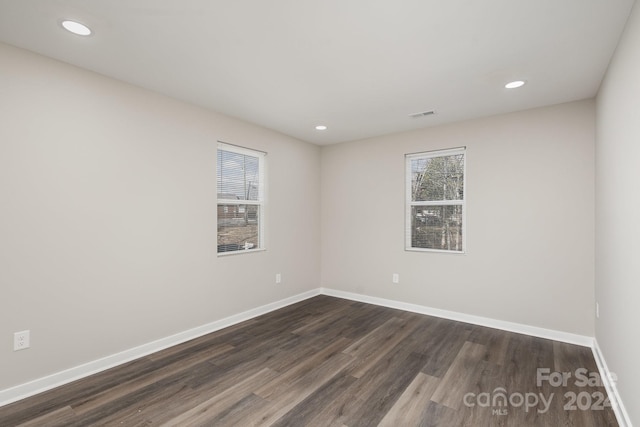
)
(440, 251)
(242, 252)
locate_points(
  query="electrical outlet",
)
(597, 311)
(395, 278)
(20, 340)
(278, 278)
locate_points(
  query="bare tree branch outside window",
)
(436, 205)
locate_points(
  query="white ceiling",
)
(358, 66)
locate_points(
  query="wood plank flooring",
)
(333, 362)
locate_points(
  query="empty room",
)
(305, 213)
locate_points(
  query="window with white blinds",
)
(435, 201)
(241, 183)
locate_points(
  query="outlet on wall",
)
(278, 278)
(21, 340)
(395, 278)
(597, 311)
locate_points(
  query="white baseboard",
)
(466, 318)
(609, 382)
(60, 378)
(57, 379)
(616, 402)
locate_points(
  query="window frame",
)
(261, 202)
(410, 203)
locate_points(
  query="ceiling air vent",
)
(422, 114)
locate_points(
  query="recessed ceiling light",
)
(321, 127)
(76, 28)
(515, 84)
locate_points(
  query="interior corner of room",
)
(108, 222)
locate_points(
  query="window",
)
(240, 199)
(435, 205)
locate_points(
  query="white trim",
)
(241, 251)
(261, 202)
(57, 379)
(410, 203)
(609, 381)
(49, 382)
(466, 318)
(439, 203)
(227, 146)
(438, 153)
(441, 251)
(239, 202)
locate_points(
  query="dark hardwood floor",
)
(333, 362)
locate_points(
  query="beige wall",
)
(530, 239)
(107, 208)
(107, 217)
(617, 214)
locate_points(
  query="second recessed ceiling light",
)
(76, 28)
(515, 84)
